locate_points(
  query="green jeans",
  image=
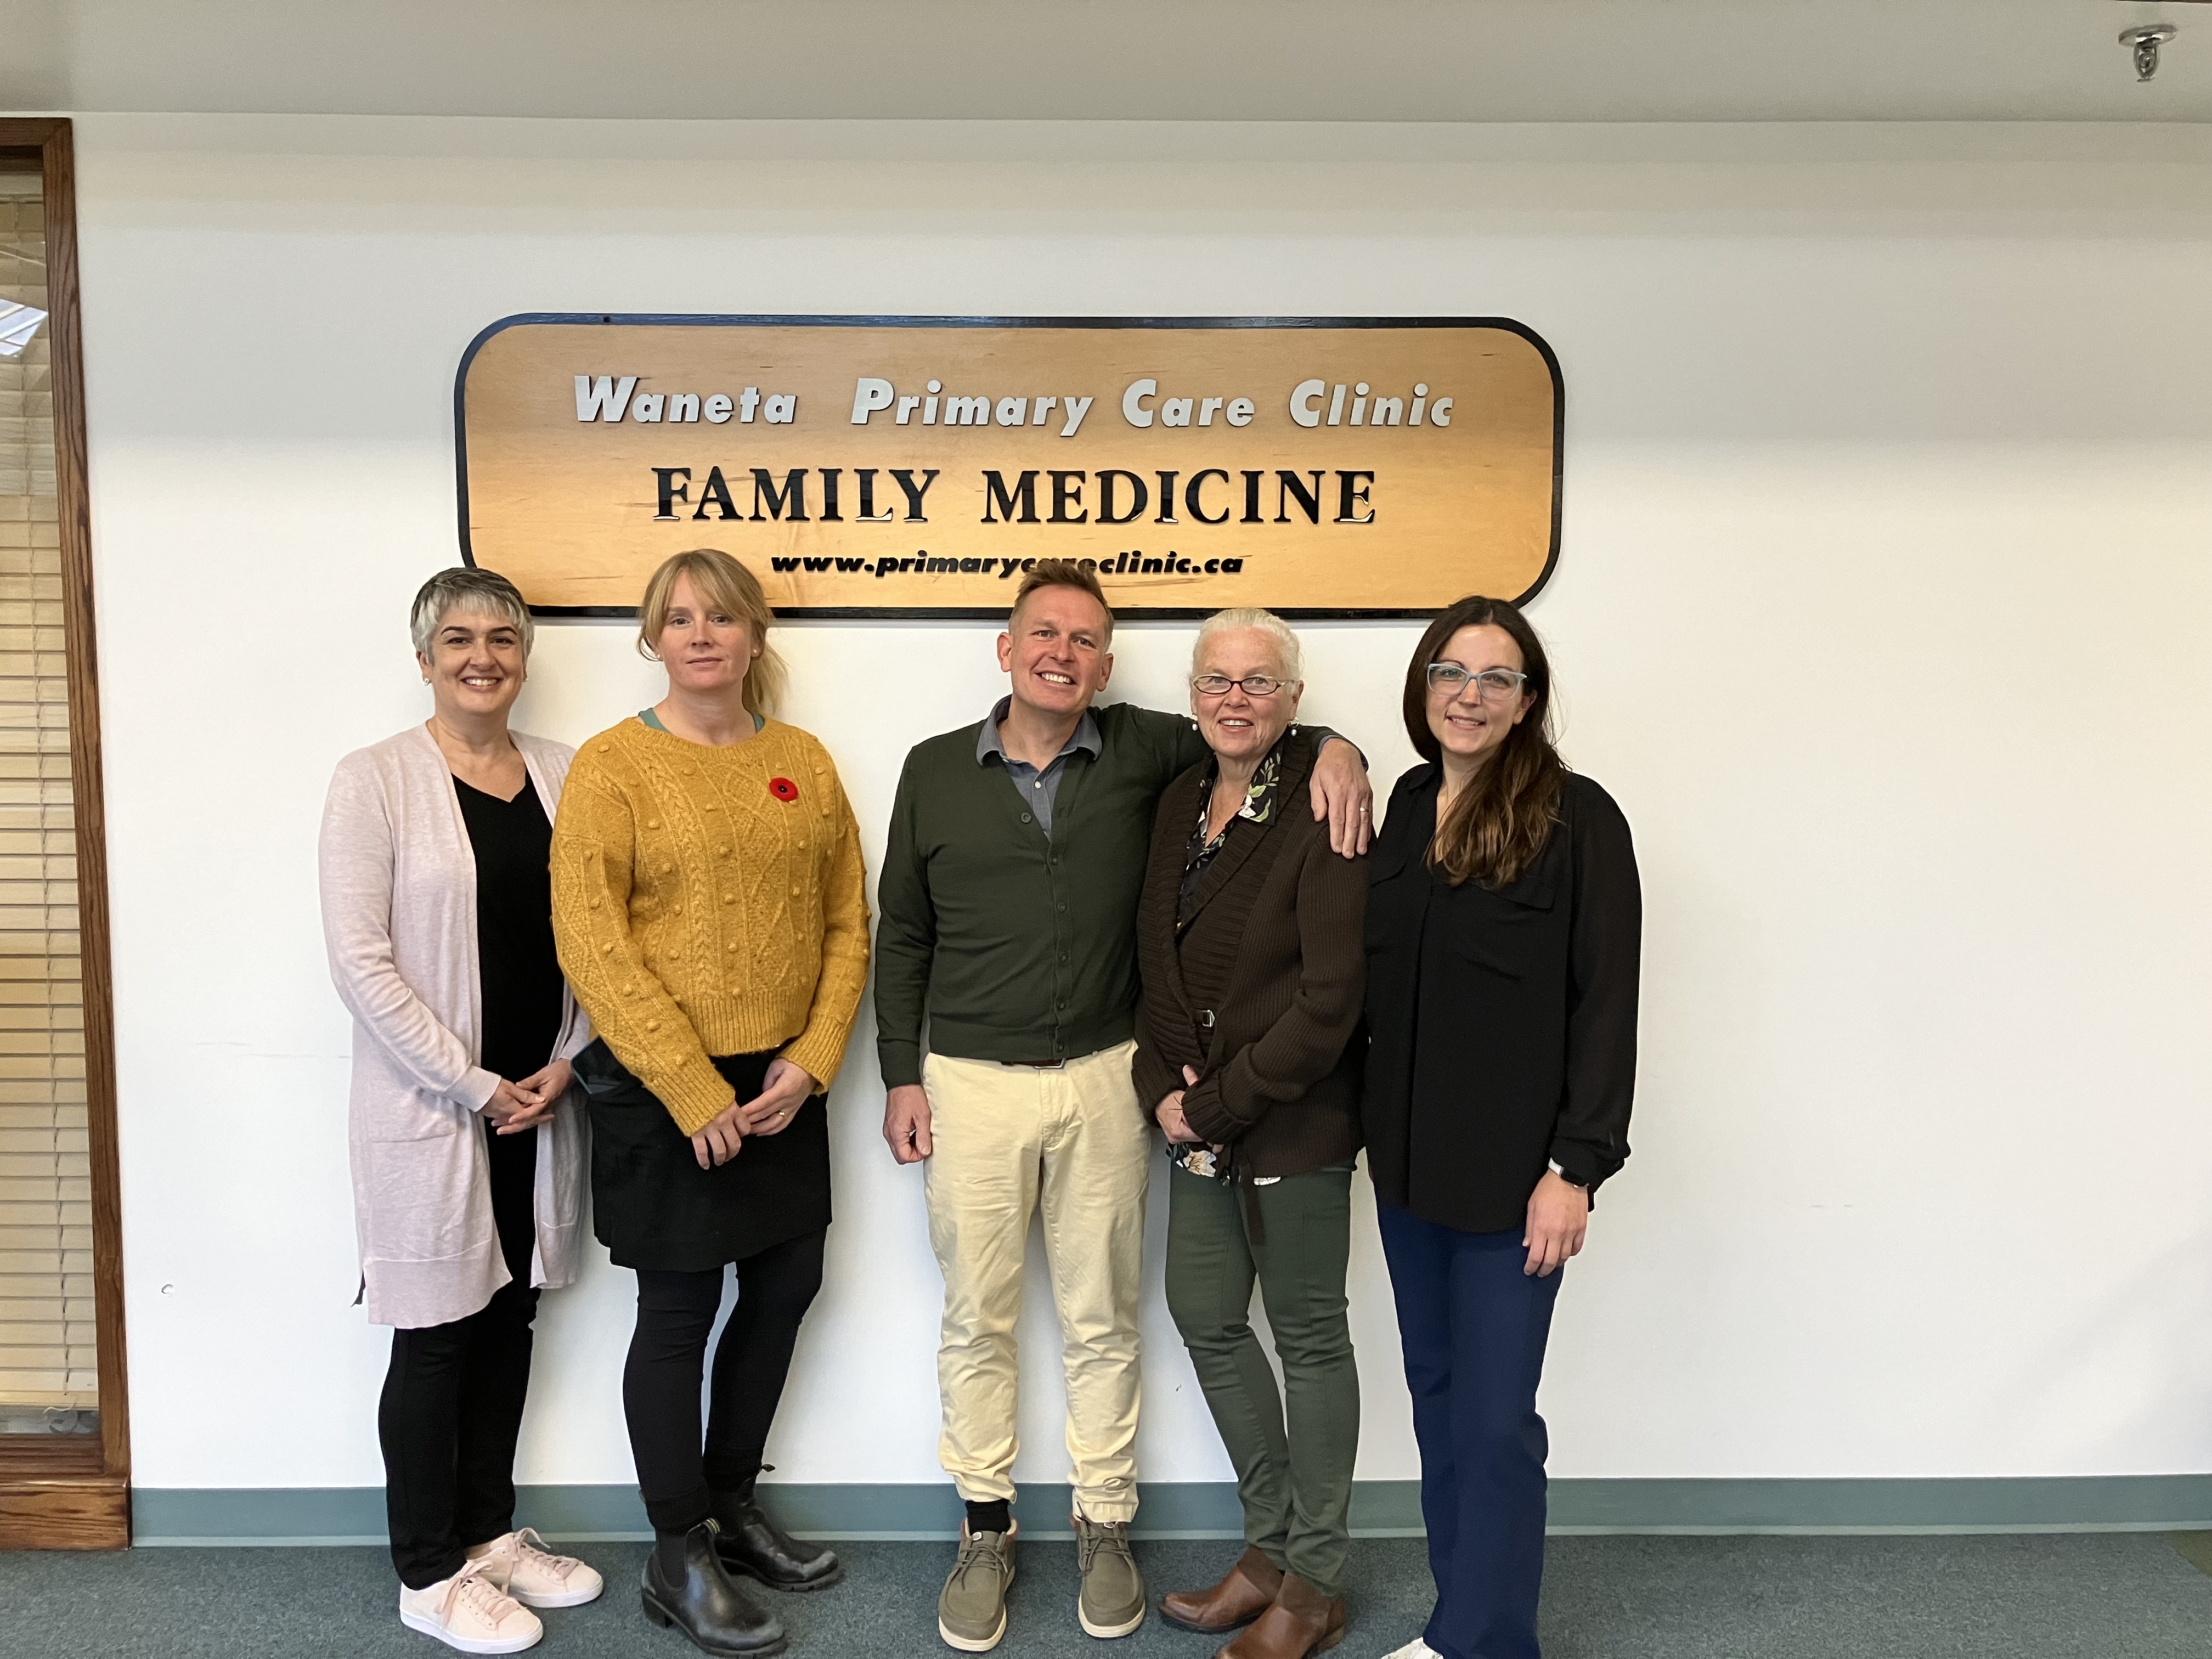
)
(1294, 1470)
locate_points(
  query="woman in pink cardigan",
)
(466, 1129)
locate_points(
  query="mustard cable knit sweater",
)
(707, 900)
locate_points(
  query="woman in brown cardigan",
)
(1248, 939)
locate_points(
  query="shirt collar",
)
(988, 748)
(1258, 795)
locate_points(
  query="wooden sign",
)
(912, 467)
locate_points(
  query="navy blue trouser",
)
(1473, 1326)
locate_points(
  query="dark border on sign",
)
(957, 613)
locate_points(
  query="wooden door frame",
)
(54, 1495)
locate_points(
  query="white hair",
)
(1288, 656)
(483, 593)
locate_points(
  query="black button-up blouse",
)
(1501, 1024)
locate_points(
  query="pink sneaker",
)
(469, 1612)
(537, 1577)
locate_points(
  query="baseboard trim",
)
(1380, 1508)
(64, 1512)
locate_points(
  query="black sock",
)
(993, 1517)
(668, 1554)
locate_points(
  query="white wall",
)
(1884, 609)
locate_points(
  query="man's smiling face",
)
(1055, 650)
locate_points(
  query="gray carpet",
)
(2078, 1596)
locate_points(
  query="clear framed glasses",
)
(1495, 685)
(1256, 685)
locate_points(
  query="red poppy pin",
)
(783, 788)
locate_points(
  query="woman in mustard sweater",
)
(708, 905)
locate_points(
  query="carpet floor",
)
(2046, 1597)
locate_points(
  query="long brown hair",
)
(1498, 825)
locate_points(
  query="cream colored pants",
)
(1007, 1137)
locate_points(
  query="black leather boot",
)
(751, 1543)
(717, 1615)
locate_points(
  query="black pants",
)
(660, 1383)
(453, 1396)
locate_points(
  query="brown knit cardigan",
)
(1274, 949)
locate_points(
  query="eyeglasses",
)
(1496, 684)
(1256, 685)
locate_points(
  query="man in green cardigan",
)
(1008, 897)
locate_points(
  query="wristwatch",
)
(1579, 1186)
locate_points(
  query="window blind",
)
(47, 1362)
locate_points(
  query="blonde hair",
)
(720, 580)
(1288, 656)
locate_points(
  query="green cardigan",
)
(1019, 946)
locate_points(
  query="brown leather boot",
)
(1247, 1592)
(1303, 1621)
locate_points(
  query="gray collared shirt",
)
(1039, 789)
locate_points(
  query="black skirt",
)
(653, 1207)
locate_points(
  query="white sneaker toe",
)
(471, 1614)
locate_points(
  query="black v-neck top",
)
(518, 971)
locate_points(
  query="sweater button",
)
(595, 904)
(729, 898)
(722, 851)
(732, 948)
(654, 1024)
(652, 823)
(794, 892)
(1025, 818)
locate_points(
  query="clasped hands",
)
(783, 1091)
(514, 1107)
(1173, 1123)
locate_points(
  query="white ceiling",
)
(1375, 60)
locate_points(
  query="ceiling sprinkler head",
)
(2146, 41)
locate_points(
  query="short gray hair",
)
(1289, 657)
(465, 588)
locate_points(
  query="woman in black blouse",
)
(1504, 923)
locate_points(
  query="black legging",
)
(453, 1400)
(660, 1383)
